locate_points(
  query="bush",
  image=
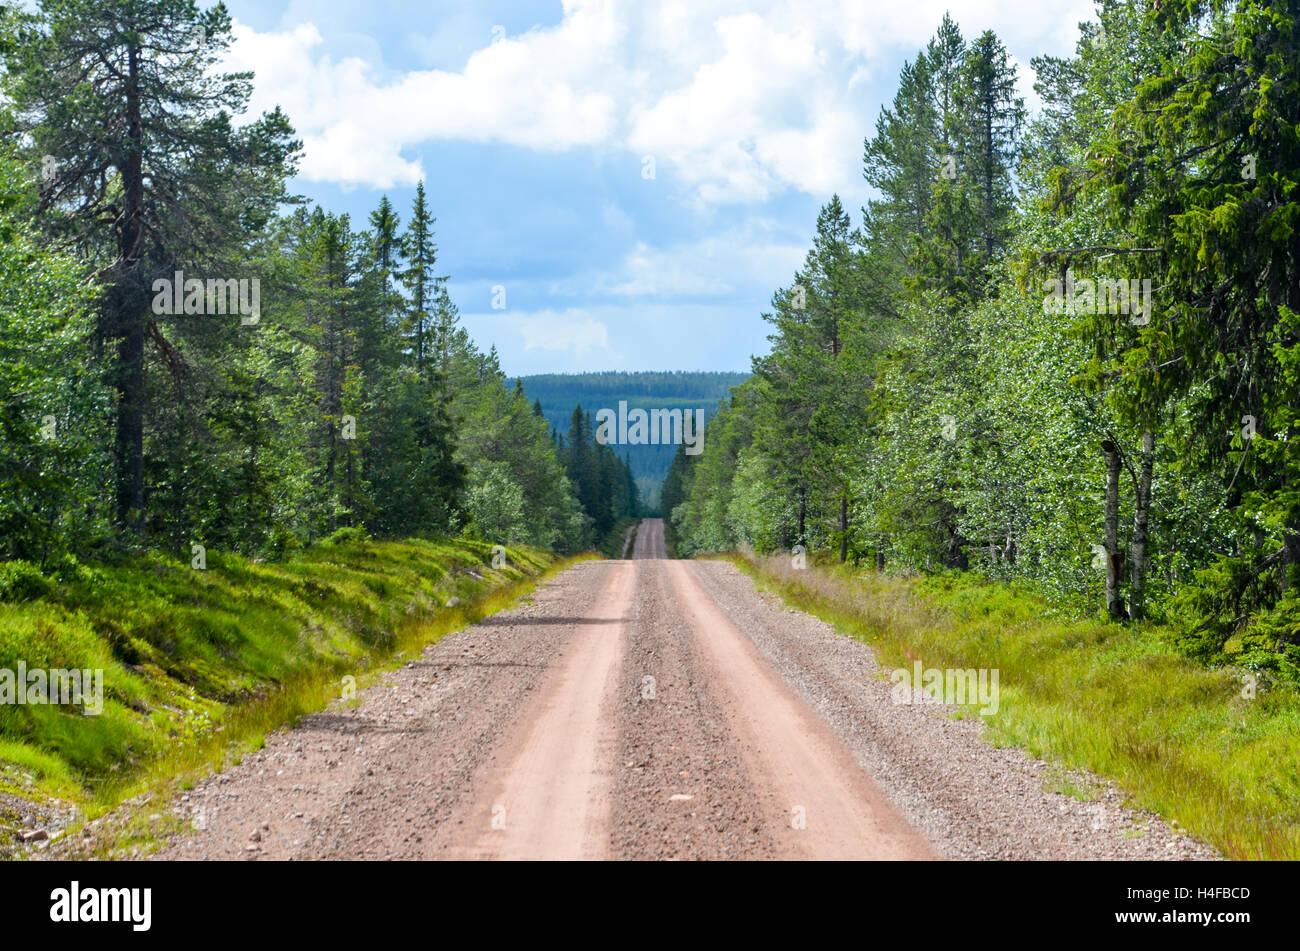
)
(71, 571)
(282, 543)
(496, 507)
(353, 535)
(23, 581)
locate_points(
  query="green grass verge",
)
(199, 665)
(1182, 740)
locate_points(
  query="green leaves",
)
(925, 385)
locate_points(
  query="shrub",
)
(23, 581)
(351, 535)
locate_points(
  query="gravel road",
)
(650, 709)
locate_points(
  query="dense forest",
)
(594, 388)
(560, 393)
(1065, 351)
(190, 357)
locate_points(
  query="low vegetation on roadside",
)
(200, 663)
(1213, 750)
(622, 539)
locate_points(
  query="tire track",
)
(831, 809)
(545, 795)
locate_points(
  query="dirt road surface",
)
(650, 709)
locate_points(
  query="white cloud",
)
(535, 91)
(571, 331)
(659, 273)
(717, 266)
(736, 99)
(738, 260)
(729, 129)
(1025, 80)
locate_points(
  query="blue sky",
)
(534, 126)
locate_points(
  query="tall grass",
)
(1182, 740)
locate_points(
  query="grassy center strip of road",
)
(1208, 750)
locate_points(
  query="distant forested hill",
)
(559, 393)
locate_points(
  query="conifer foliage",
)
(183, 363)
(1063, 351)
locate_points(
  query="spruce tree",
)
(419, 277)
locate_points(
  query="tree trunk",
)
(351, 501)
(1141, 513)
(127, 318)
(1290, 543)
(1290, 560)
(1290, 552)
(333, 401)
(1114, 600)
(844, 528)
(955, 556)
(803, 515)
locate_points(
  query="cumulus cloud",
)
(571, 331)
(716, 266)
(534, 91)
(736, 99)
(733, 260)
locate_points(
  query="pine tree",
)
(979, 125)
(147, 170)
